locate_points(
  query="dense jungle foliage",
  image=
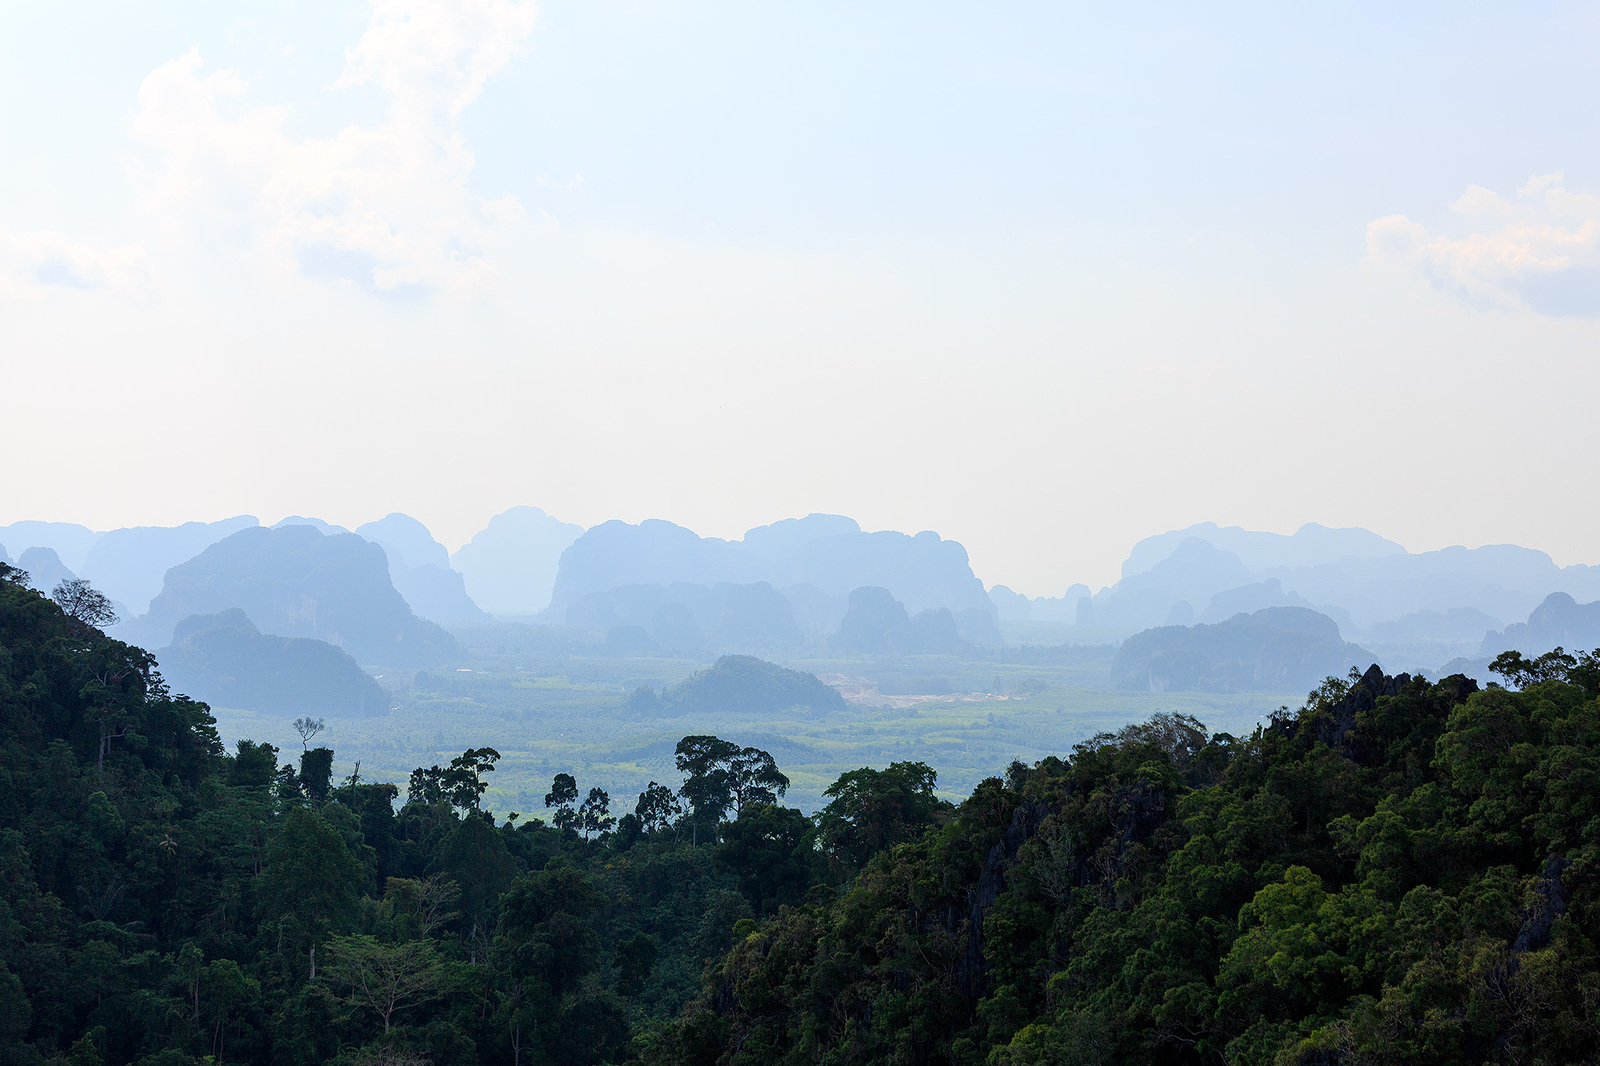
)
(165, 902)
(1400, 871)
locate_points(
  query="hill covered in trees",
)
(1401, 870)
(738, 682)
(225, 660)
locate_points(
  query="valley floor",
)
(968, 719)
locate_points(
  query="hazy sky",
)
(1044, 277)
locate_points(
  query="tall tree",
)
(708, 783)
(594, 814)
(386, 977)
(309, 881)
(84, 604)
(869, 810)
(658, 808)
(563, 796)
(754, 779)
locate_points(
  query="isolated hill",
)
(129, 564)
(739, 684)
(510, 566)
(1279, 649)
(826, 552)
(295, 582)
(419, 566)
(224, 660)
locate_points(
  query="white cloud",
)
(33, 264)
(387, 207)
(1539, 250)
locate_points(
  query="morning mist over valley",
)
(665, 534)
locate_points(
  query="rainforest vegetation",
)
(1400, 870)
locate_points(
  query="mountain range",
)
(660, 588)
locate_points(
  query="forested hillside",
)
(1399, 871)
(164, 902)
(1402, 871)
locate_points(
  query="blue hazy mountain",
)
(293, 581)
(510, 566)
(687, 618)
(407, 541)
(1017, 607)
(325, 528)
(1310, 545)
(70, 541)
(878, 624)
(826, 552)
(1415, 607)
(1559, 622)
(45, 568)
(419, 566)
(129, 564)
(1279, 649)
(226, 661)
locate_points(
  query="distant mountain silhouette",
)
(1369, 585)
(419, 566)
(1310, 545)
(1560, 621)
(325, 528)
(295, 582)
(1279, 649)
(739, 684)
(1174, 590)
(45, 569)
(510, 566)
(1457, 625)
(1247, 599)
(129, 564)
(70, 542)
(407, 541)
(879, 624)
(827, 552)
(226, 661)
(1014, 606)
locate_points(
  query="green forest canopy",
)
(1401, 870)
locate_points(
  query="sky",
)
(1044, 277)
